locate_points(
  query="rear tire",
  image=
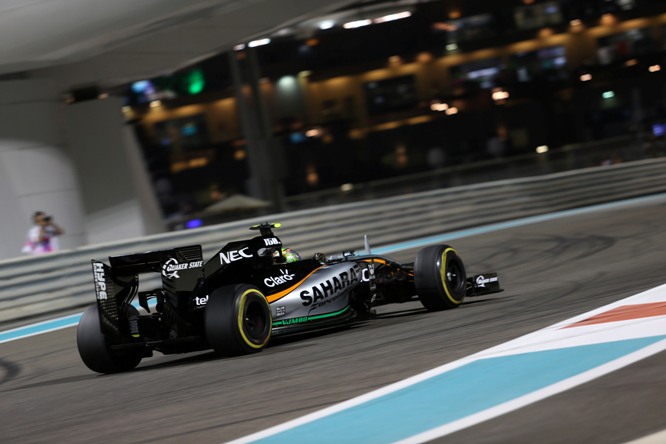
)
(238, 320)
(439, 277)
(94, 350)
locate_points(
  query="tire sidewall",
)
(248, 297)
(430, 277)
(224, 320)
(94, 350)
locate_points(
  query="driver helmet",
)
(290, 255)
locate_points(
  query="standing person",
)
(42, 237)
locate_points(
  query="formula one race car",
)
(249, 291)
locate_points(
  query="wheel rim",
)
(254, 321)
(453, 275)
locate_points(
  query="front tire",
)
(94, 350)
(238, 320)
(439, 277)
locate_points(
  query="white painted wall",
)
(35, 170)
(116, 192)
(78, 162)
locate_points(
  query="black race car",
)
(249, 291)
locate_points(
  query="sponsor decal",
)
(326, 301)
(291, 321)
(481, 281)
(330, 288)
(201, 301)
(283, 278)
(227, 257)
(280, 311)
(100, 281)
(171, 267)
(268, 241)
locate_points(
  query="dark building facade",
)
(385, 89)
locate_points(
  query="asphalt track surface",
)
(551, 271)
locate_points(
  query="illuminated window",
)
(625, 45)
(551, 60)
(483, 72)
(392, 94)
(467, 29)
(537, 15)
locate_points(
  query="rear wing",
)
(116, 285)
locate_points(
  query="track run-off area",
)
(571, 351)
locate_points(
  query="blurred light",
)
(198, 162)
(395, 60)
(455, 14)
(346, 187)
(499, 94)
(443, 26)
(576, 25)
(239, 47)
(631, 62)
(392, 17)
(314, 132)
(127, 109)
(311, 176)
(544, 33)
(195, 82)
(183, 165)
(452, 110)
(260, 42)
(305, 73)
(240, 154)
(528, 2)
(452, 47)
(424, 57)
(326, 24)
(194, 223)
(542, 149)
(438, 106)
(103, 96)
(284, 32)
(608, 19)
(608, 94)
(586, 77)
(312, 41)
(654, 68)
(287, 84)
(357, 24)
(155, 104)
(626, 5)
(142, 86)
(297, 137)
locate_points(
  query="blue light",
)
(188, 130)
(297, 137)
(142, 86)
(194, 223)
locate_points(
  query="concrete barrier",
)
(34, 286)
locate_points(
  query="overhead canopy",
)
(105, 43)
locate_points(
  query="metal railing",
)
(34, 286)
(566, 158)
